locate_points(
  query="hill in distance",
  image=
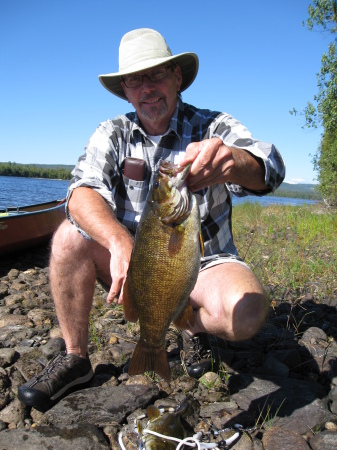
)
(306, 191)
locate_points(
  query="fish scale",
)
(163, 269)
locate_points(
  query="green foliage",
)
(32, 171)
(325, 161)
(323, 15)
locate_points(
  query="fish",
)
(164, 267)
(169, 424)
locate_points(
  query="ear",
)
(125, 91)
(179, 77)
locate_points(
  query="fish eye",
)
(156, 185)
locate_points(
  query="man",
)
(104, 204)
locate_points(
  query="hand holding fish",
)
(119, 264)
(215, 163)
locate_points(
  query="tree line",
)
(309, 195)
(323, 16)
(12, 169)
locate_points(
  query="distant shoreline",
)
(63, 172)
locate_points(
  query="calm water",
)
(15, 191)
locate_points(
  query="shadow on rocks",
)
(286, 374)
(23, 260)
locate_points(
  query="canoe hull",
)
(27, 226)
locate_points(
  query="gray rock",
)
(53, 347)
(67, 437)
(275, 367)
(326, 440)
(297, 405)
(283, 439)
(107, 404)
(14, 412)
(13, 273)
(319, 358)
(13, 300)
(211, 409)
(4, 381)
(290, 357)
(15, 320)
(15, 333)
(41, 317)
(3, 290)
(313, 335)
(6, 356)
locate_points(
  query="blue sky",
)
(257, 62)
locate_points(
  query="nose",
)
(147, 82)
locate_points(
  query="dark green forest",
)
(11, 169)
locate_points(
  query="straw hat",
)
(143, 49)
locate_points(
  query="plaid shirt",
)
(102, 167)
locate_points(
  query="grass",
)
(267, 418)
(94, 335)
(292, 249)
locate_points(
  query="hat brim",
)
(188, 63)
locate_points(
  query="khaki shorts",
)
(206, 263)
(214, 260)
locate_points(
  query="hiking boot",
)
(60, 374)
(196, 354)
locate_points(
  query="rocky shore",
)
(280, 386)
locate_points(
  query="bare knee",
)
(249, 315)
(66, 240)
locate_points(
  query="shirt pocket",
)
(131, 200)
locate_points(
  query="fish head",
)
(170, 194)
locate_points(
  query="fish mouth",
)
(177, 177)
(174, 171)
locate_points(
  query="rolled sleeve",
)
(97, 169)
(235, 135)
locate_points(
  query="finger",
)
(111, 295)
(208, 177)
(120, 297)
(192, 151)
(114, 289)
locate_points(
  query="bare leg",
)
(74, 265)
(230, 302)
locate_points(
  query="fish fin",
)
(152, 412)
(201, 240)
(186, 318)
(145, 359)
(176, 239)
(130, 312)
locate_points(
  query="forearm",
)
(247, 171)
(89, 209)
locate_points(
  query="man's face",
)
(155, 101)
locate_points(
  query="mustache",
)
(152, 96)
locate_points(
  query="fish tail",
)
(145, 359)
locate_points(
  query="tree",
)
(325, 161)
(323, 15)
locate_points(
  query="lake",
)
(17, 191)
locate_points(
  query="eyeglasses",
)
(155, 75)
